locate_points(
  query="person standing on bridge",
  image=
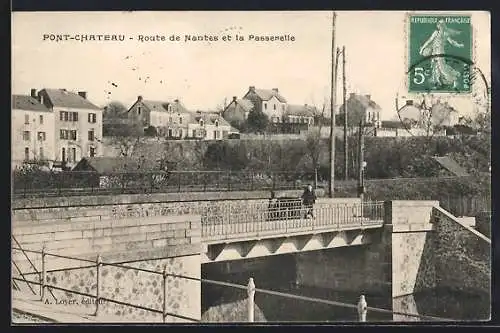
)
(308, 200)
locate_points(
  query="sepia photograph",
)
(250, 167)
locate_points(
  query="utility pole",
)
(344, 97)
(332, 110)
(361, 158)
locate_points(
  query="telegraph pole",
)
(332, 110)
(344, 97)
(361, 158)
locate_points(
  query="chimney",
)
(40, 97)
(139, 98)
(252, 88)
(409, 102)
(234, 98)
(176, 100)
(276, 90)
(83, 94)
(33, 93)
(352, 95)
(368, 96)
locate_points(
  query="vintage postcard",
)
(254, 167)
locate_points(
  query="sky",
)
(202, 74)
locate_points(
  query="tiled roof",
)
(300, 110)
(25, 102)
(163, 106)
(209, 118)
(64, 98)
(365, 101)
(450, 165)
(116, 164)
(267, 94)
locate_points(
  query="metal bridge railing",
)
(283, 216)
(361, 307)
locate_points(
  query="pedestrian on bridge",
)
(308, 200)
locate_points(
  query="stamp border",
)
(473, 45)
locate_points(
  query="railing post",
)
(165, 293)
(251, 300)
(362, 308)
(44, 275)
(98, 284)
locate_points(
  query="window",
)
(180, 120)
(170, 132)
(75, 116)
(73, 135)
(66, 116)
(92, 118)
(63, 154)
(26, 119)
(41, 153)
(216, 123)
(26, 153)
(265, 106)
(180, 133)
(26, 135)
(61, 115)
(91, 135)
(41, 136)
(92, 151)
(274, 106)
(41, 120)
(73, 154)
(63, 134)
(201, 122)
(139, 110)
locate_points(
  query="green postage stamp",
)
(439, 53)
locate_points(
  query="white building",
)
(77, 124)
(32, 131)
(208, 126)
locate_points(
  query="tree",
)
(151, 131)
(124, 134)
(313, 143)
(257, 122)
(114, 110)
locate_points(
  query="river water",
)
(437, 303)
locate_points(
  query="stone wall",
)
(412, 248)
(115, 236)
(134, 287)
(463, 255)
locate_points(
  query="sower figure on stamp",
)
(441, 72)
(308, 199)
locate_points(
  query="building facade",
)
(237, 111)
(32, 131)
(170, 118)
(268, 101)
(77, 124)
(209, 126)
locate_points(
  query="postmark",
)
(433, 41)
(429, 112)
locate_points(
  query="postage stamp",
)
(439, 53)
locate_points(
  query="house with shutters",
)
(170, 118)
(32, 131)
(283, 117)
(209, 126)
(77, 124)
